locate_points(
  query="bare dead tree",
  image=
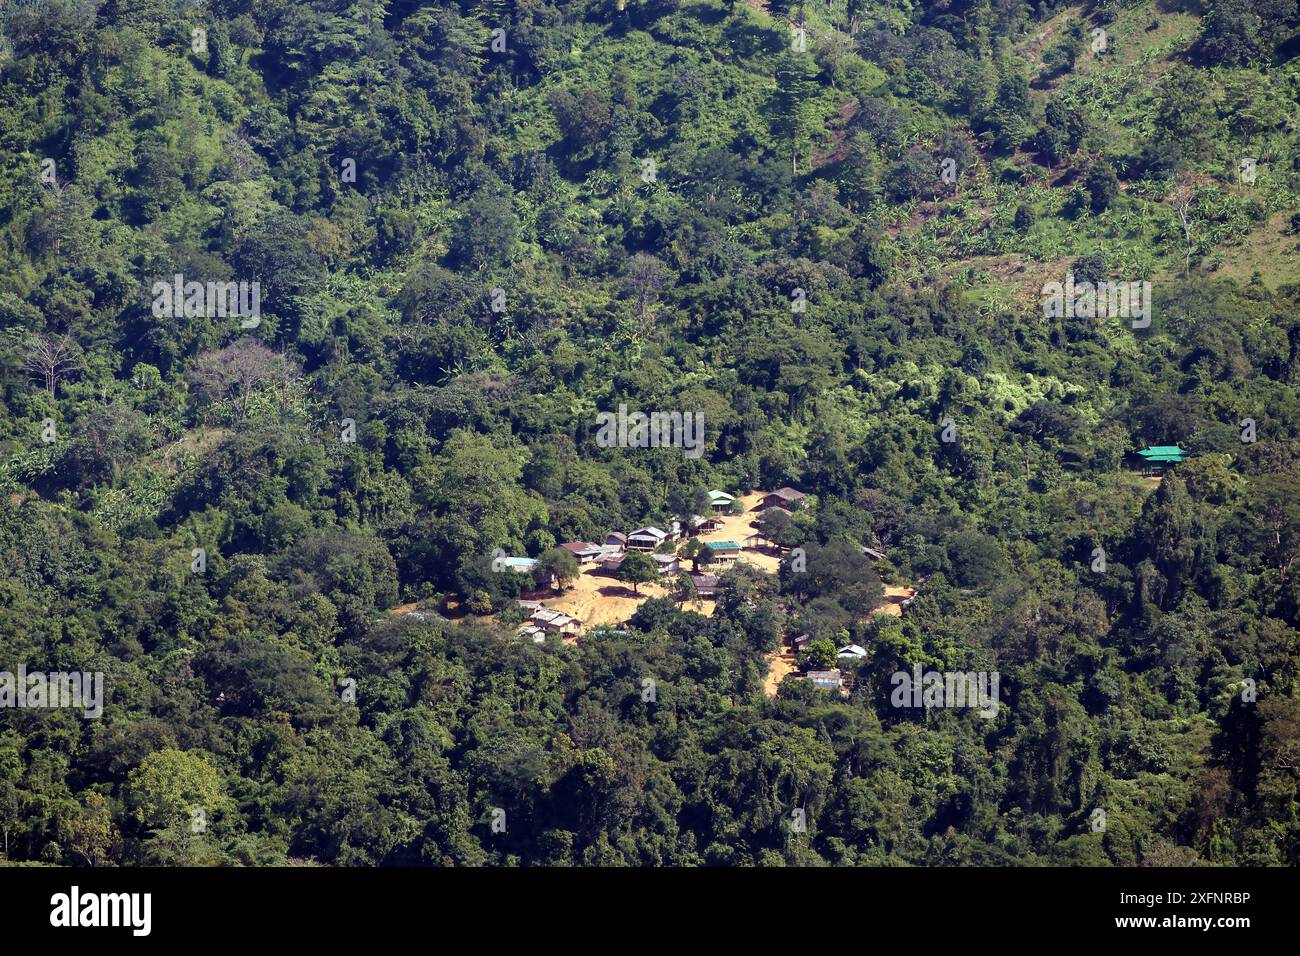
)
(240, 155)
(1181, 197)
(644, 277)
(234, 371)
(51, 358)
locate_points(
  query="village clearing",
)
(597, 599)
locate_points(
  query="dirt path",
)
(895, 595)
(779, 663)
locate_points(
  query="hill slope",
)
(456, 233)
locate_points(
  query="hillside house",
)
(553, 621)
(585, 552)
(1159, 457)
(720, 500)
(519, 565)
(786, 498)
(703, 524)
(722, 552)
(646, 539)
(669, 564)
(706, 585)
(827, 680)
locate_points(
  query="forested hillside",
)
(829, 229)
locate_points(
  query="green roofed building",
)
(1163, 453)
(720, 500)
(725, 551)
(1161, 456)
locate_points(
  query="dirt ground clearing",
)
(597, 599)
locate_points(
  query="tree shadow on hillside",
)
(613, 591)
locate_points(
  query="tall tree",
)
(796, 90)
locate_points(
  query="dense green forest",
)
(825, 226)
